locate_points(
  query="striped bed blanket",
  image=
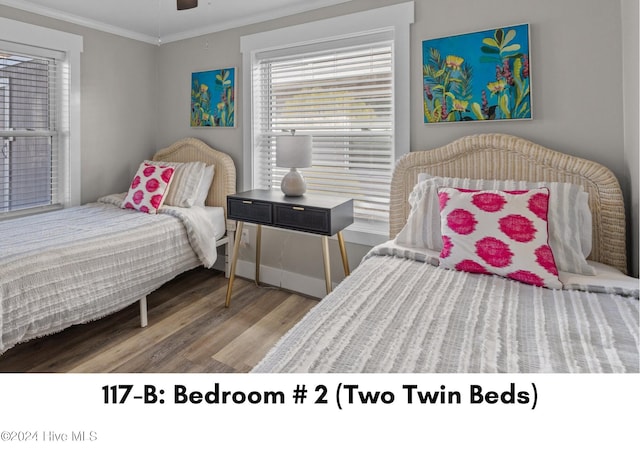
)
(80, 264)
(398, 312)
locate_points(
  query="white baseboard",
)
(289, 280)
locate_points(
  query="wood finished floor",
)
(189, 331)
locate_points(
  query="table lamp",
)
(293, 151)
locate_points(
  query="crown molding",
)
(170, 37)
(252, 19)
(78, 20)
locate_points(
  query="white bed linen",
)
(605, 277)
(80, 264)
(399, 312)
(215, 214)
(196, 220)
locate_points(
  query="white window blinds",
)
(29, 112)
(341, 95)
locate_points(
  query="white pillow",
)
(498, 232)
(582, 205)
(586, 223)
(569, 229)
(204, 185)
(184, 186)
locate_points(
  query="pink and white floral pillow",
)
(149, 188)
(498, 232)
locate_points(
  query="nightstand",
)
(321, 215)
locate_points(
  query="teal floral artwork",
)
(213, 98)
(477, 76)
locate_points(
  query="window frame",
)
(68, 136)
(395, 18)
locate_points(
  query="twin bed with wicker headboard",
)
(506, 157)
(458, 289)
(79, 264)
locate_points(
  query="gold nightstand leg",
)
(343, 253)
(258, 245)
(234, 261)
(327, 267)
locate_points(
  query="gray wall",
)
(135, 96)
(119, 111)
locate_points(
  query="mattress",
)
(215, 214)
(399, 312)
(80, 264)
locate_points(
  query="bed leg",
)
(143, 311)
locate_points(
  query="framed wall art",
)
(213, 98)
(480, 76)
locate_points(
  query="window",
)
(343, 98)
(28, 116)
(344, 91)
(39, 155)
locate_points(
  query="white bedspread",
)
(398, 312)
(79, 264)
(200, 229)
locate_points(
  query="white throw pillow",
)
(204, 185)
(184, 187)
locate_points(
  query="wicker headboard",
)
(506, 157)
(194, 150)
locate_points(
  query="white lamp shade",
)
(293, 151)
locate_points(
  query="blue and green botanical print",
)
(477, 76)
(213, 98)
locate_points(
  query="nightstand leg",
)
(258, 246)
(234, 261)
(327, 267)
(343, 253)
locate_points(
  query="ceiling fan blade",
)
(187, 4)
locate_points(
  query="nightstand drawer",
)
(302, 218)
(249, 211)
(321, 215)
